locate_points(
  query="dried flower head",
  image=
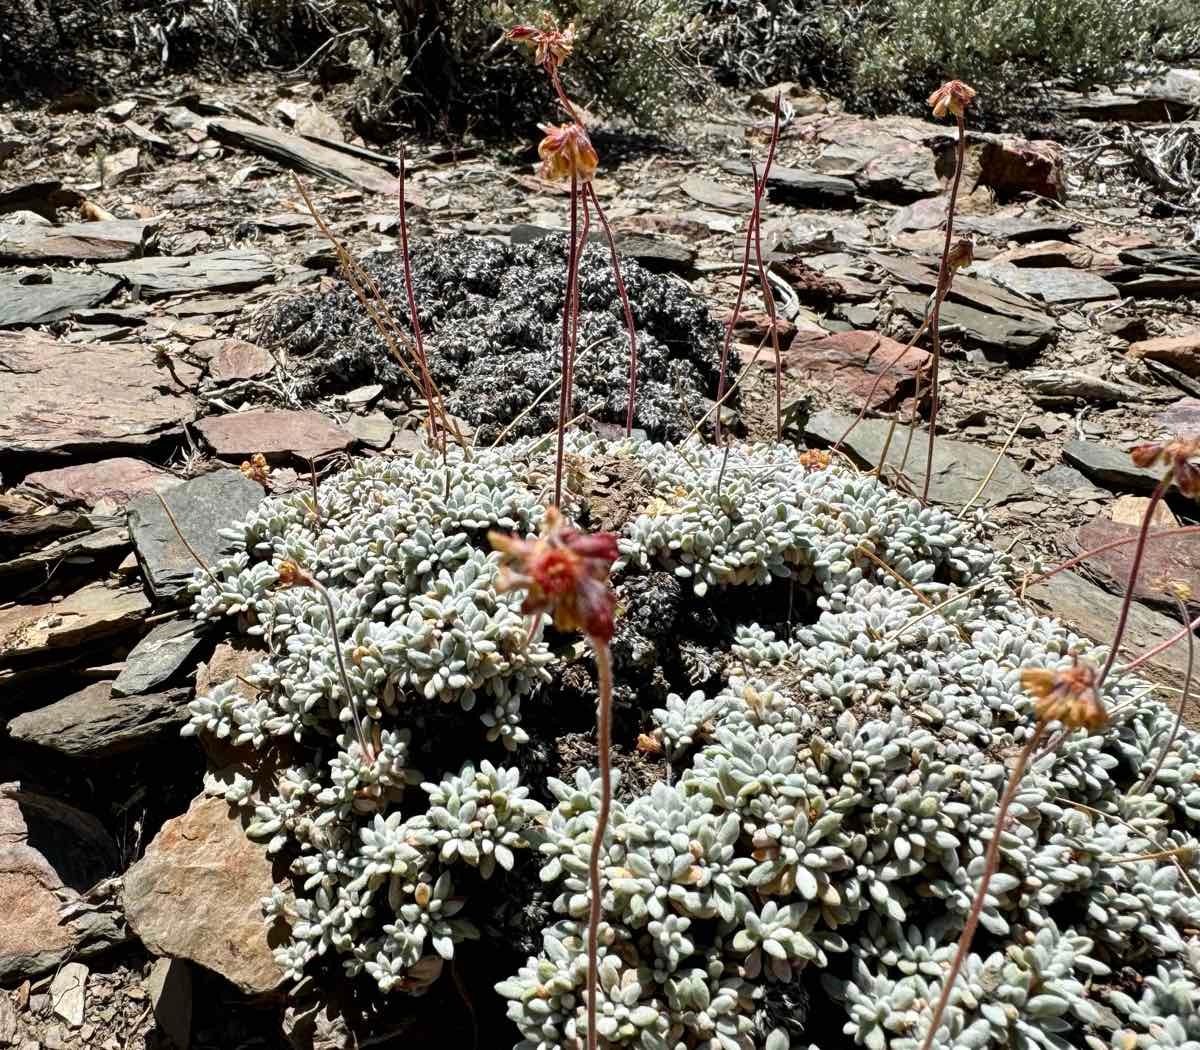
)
(565, 573)
(952, 97)
(551, 45)
(1179, 455)
(650, 743)
(1173, 587)
(962, 253)
(256, 469)
(289, 574)
(567, 151)
(813, 459)
(1068, 696)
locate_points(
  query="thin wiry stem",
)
(564, 391)
(183, 539)
(616, 268)
(1183, 699)
(1136, 567)
(991, 862)
(943, 286)
(603, 744)
(323, 591)
(760, 187)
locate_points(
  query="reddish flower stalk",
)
(1071, 697)
(565, 574)
(1181, 592)
(952, 97)
(760, 188)
(1178, 458)
(1162, 646)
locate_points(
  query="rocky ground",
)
(147, 247)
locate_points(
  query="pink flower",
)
(952, 97)
(567, 151)
(551, 45)
(565, 574)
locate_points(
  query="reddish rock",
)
(112, 480)
(195, 895)
(1012, 166)
(1179, 351)
(49, 853)
(852, 361)
(1047, 254)
(64, 398)
(1169, 557)
(236, 359)
(274, 434)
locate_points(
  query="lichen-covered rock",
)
(821, 815)
(492, 317)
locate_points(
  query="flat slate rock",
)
(273, 433)
(1110, 467)
(1050, 284)
(1021, 337)
(114, 481)
(1018, 228)
(715, 195)
(304, 155)
(75, 242)
(981, 295)
(215, 271)
(852, 362)
(159, 657)
(201, 507)
(85, 616)
(659, 254)
(798, 186)
(958, 467)
(93, 723)
(64, 399)
(74, 551)
(1091, 610)
(1165, 556)
(25, 302)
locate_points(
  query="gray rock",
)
(1018, 228)
(1065, 383)
(799, 187)
(170, 988)
(1110, 467)
(958, 467)
(170, 275)
(62, 295)
(75, 550)
(75, 242)
(201, 508)
(68, 993)
(159, 657)
(275, 433)
(1091, 610)
(374, 431)
(94, 724)
(1019, 336)
(1053, 284)
(10, 1026)
(92, 613)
